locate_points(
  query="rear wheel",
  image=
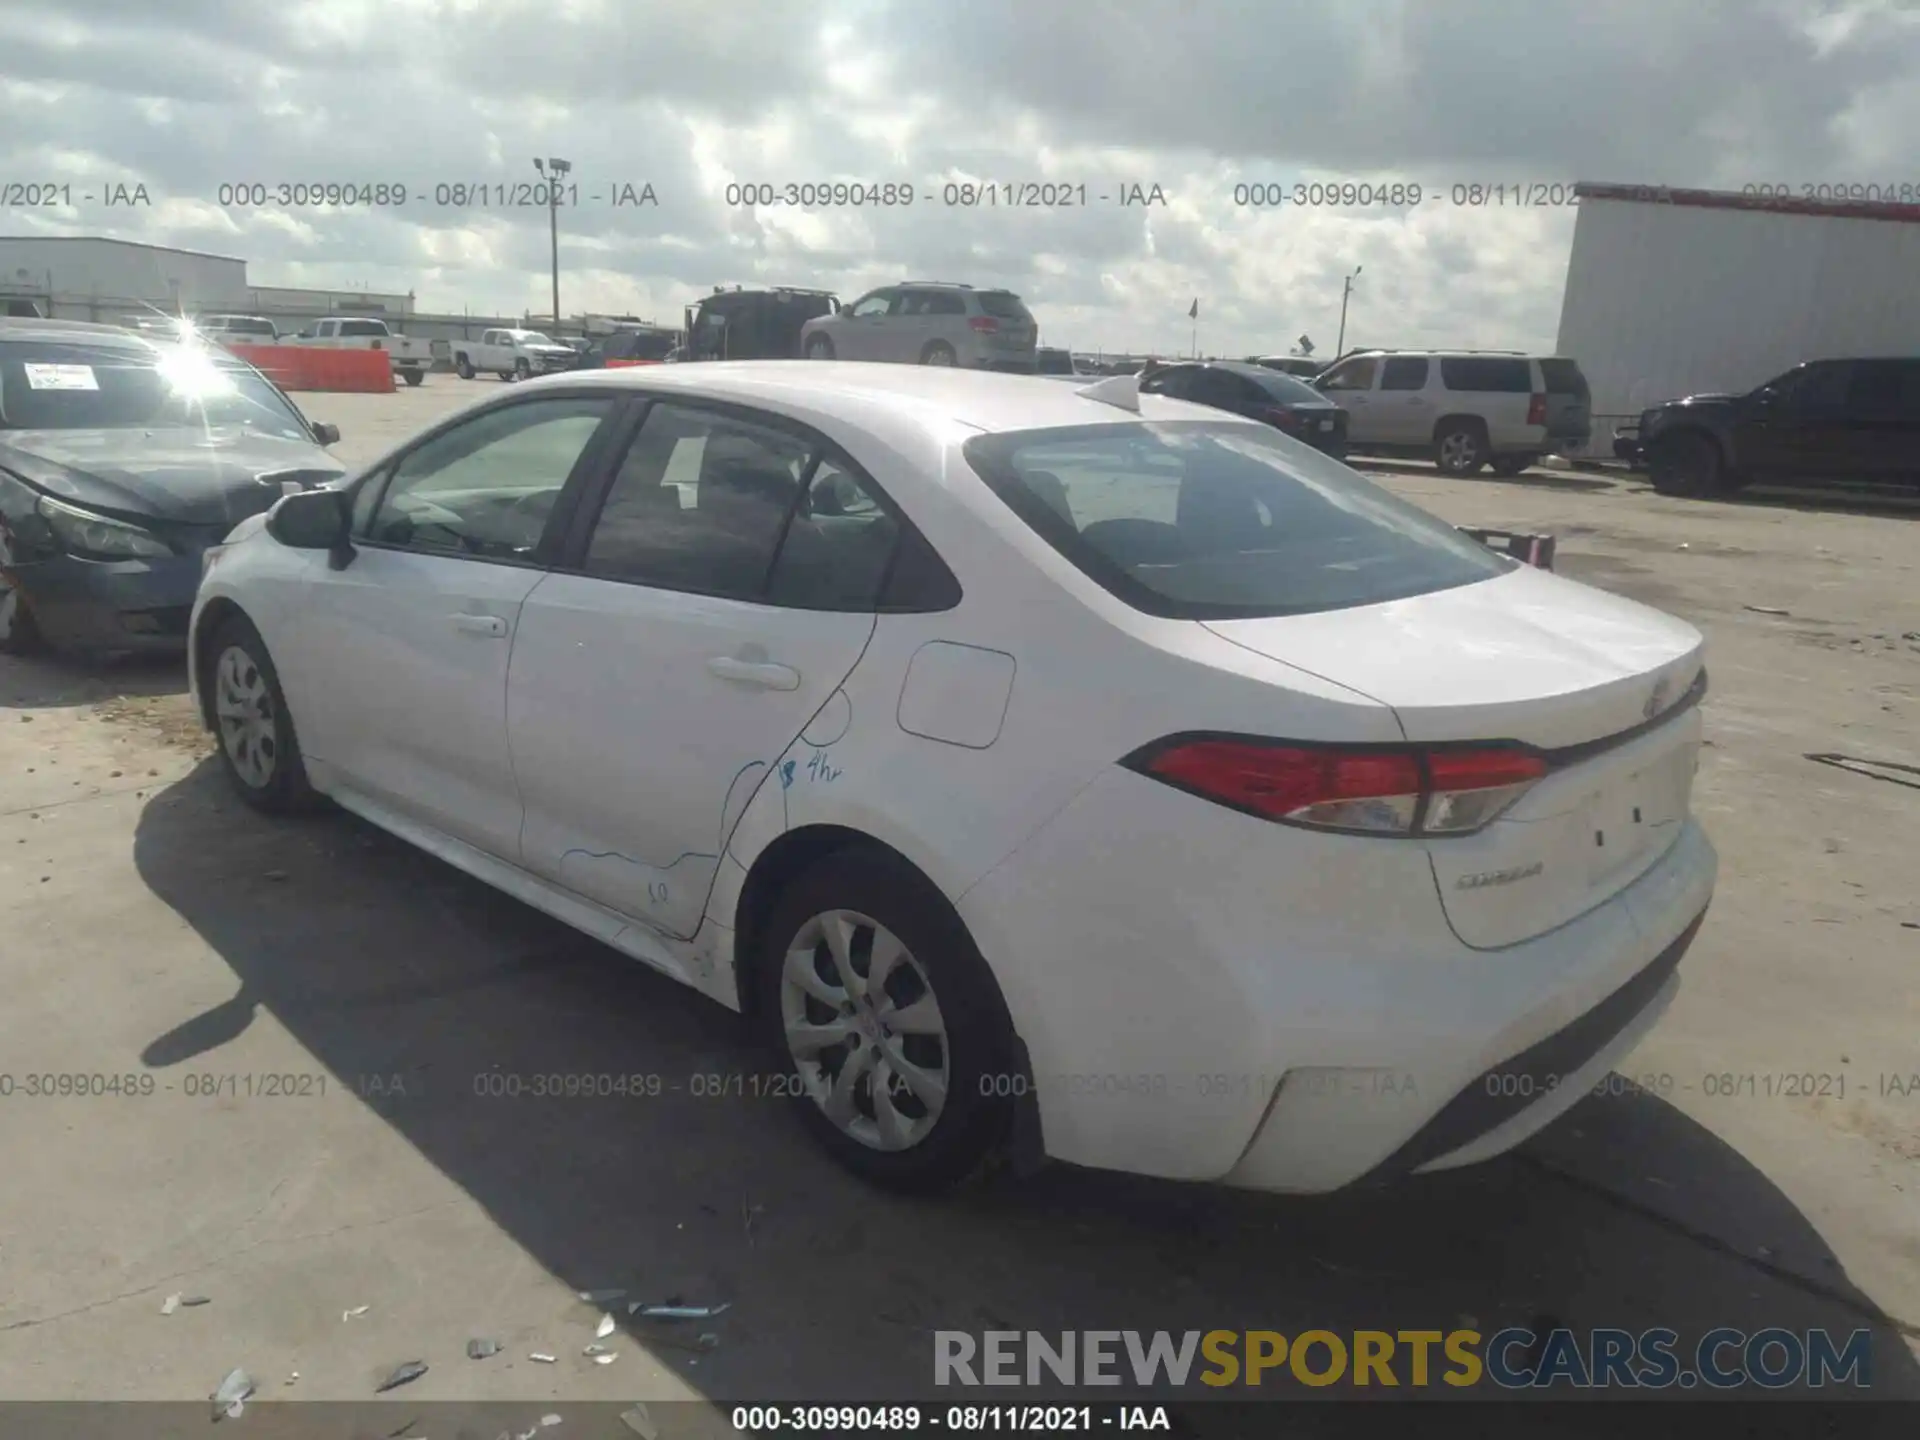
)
(1686, 465)
(258, 748)
(938, 353)
(819, 347)
(874, 996)
(463, 367)
(414, 377)
(521, 369)
(1512, 464)
(1460, 448)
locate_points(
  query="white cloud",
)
(689, 96)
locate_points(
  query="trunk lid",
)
(1602, 684)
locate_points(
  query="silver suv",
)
(1462, 409)
(928, 323)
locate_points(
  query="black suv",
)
(1825, 420)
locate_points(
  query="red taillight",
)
(984, 325)
(1384, 791)
(1284, 419)
(1536, 410)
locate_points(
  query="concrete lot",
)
(154, 929)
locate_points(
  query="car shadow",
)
(385, 963)
(51, 681)
(1534, 479)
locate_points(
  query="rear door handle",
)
(481, 625)
(747, 672)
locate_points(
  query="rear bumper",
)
(99, 605)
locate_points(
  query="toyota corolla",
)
(1050, 769)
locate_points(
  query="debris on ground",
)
(638, 1420)
(549, 1420)
(678, 1312)
(604, 1328)
(404, 1374)
(1767, 610)
(601, 1297)
(195, 1300)
(355, 1313)
(595, 1349)
(171, 1304)
(291, 1378)
(605, 1359)
(482, 1349)
(231, 1398)
(543, 1358)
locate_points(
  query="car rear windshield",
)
(1563, 377)
(1486, 375)
(1003, 305)
(79, 387)
(1210, 520)
(1053, 362)
(1284, 389)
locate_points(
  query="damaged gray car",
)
(122, 459)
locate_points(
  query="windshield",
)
(531, 337)
(1204, 520)
(65, 386)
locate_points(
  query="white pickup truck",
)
(411, 358)
(512, 355)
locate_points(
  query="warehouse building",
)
(85, 277)
(1685, 292)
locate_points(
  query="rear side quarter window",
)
(1487, 374)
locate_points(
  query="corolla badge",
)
(1657, 701)
(1499, 877)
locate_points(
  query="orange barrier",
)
(296, 367)
(628, 364)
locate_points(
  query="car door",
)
(1798, 426)
(1883, 417)
(867, 331)
(662, 671)
(398, 667)
(1350, 385)
(1399, 409)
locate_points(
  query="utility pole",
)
(1340, 345)
(552, 171)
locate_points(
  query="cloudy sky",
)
(1193, 96)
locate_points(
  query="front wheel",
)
(463, 367)
(882, 1011)
(1687, 466)
(819, 348)
(413, 377)
(938, 353)
(258, 748)
(521, 369)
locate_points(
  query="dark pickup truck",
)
(1856, 419)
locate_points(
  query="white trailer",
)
(1685, 292)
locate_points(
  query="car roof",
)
(982, 399)
(22, 328)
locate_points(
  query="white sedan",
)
(1061, 771)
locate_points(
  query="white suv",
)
(1462, 409)
(929, 323)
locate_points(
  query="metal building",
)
(1681, 292)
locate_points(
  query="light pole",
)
(551, 171)
(1339, 345)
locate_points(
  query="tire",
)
(463, 367)
(1512, 464)
(1687, 466)
(258, 747)
(414, 377)
(19, 632)
(521, 369)
(934, 1147)
(819, 347)
(1460, 448)
(938, 353)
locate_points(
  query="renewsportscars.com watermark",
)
(1512, 1359)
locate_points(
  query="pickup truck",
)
(512, 355)
(411, 358)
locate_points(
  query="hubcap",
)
(865, 1030)
(1457, 450)
(244, 706)
(939, 357)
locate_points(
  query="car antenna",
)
(1120, 390)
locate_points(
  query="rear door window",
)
(1404, 372)
(1487, 374)
(1207, 520)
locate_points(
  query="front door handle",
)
(481, 625)
(747, 672)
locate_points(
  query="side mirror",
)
(312, 520)
(325, 434)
